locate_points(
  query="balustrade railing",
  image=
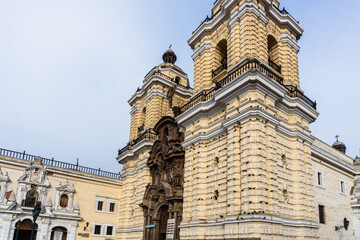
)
(275, 66)
(294, 92)
(219, 69)
(141, 128)
(148, 134)
(249, 65)
(29, 203)
(54, 163)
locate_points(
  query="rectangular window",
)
(112, 207)
(319, 179)
(100, 205)
(109, 230)
(97, 230)
(322, 214)
(342, 187)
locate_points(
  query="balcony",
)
(251, 64)
(217, 71)
(29, 203)
(274, 66)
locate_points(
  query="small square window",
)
(100, 205)
(112, 207)
(342, 187)
(109, 230)
(322, 214)
(97, 230)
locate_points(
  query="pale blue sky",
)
(67, 69)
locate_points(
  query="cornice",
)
(286, 20)
(207, 27)
(248, 7)
(126, 230)
(158, 79)
(206, 44)
(287, 38)
(134, 149)
(268, 86)
(67, 172)
(135, 171)
(251, 219)
(331, 159)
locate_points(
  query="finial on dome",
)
(169, 56)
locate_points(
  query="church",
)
(234, 157)
(231, 158)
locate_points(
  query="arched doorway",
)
(24, 232)
(164, 217)
(58, 233)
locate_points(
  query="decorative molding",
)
(331, 159)
(248, 7)
(287, 38)
(286, 20)
(206, 44)
(246, 219)
(128, 230)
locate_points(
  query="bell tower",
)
(245, 31)
(248, 168)
(165, 88)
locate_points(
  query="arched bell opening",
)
(220, 60)
(274, 54)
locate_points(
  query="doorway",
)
(164, 217)
(58, 233)
(24, 232)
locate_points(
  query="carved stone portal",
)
(163, 198)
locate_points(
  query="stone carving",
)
(164, 196)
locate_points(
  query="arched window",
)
(274, 54)
(177, 80)
(220, 58)
(64, 199)
(31, 198)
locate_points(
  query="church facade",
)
(231, 158)
(234, 157)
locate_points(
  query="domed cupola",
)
(340, 146)
(169, 57)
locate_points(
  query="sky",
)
(67, 69)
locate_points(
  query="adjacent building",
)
(77, 202)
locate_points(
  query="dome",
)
(169, 56)
(340, 146)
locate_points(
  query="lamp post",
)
(36, 212)
(17, 226)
